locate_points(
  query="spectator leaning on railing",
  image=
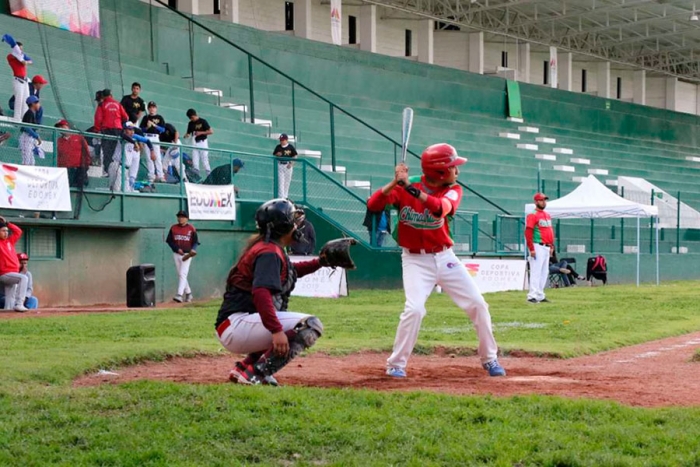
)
(152, 126)
(73, 154)
(109, 120)
(18, 61)
(29, 139)
(285, 168)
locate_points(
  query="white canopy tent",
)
(593, 200)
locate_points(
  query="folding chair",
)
(597, 268)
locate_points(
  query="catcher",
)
(253, 318)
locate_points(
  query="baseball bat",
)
(406, 126)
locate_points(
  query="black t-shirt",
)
(156, 119)
(133, 106)
(306, 245)
(289, 151)
(168, 136)
(266, 274)
(198, 125)
(219, 176)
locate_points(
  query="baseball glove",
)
(189, 255)
(336, 253)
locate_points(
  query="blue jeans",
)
(380, 237)
(555, 269)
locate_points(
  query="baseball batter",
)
(539, 237)
(427, 257)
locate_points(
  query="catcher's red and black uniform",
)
(261, 283)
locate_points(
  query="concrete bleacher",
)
(466, 110)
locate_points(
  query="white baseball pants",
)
(202, 154)
(284, 179)
(420, 274)
(183, 270)
(539, 272)
(26, 147)
(20, 88)
(246, 334)
(155, 169)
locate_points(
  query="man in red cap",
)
(539, 237)
(73, 154)
(428, 259)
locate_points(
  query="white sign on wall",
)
(325, 283)
(553, 68)
(34, 188)
(211, 202)
(337, 22)
(496, 275)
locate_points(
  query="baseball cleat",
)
(544, 300)
(532, 300)
(270, 381)
(494, 368)
(178, 298)
(396, 372)
(241, 376)
(188, 298)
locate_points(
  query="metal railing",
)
(333, 108)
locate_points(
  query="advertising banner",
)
(211, 202)
(337, 22)
(34, 188)
(325, 283)
(79, 16)
(496, 275)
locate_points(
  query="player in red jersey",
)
(539, 237)
(427, 258)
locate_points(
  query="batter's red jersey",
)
(422, 226)
(538, 229)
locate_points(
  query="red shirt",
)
(538, 229)
(73, 151)
(8, 254)
(422, 226)
(110, 115)
(19, 69)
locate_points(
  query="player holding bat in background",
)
(427, 257)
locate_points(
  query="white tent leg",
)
(657, 251)
(638, 248)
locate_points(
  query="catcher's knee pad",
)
(306, 332)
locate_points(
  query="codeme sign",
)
(496, 275)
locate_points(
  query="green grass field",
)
(43, 420)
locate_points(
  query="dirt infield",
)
(654, 374)
(72, 311)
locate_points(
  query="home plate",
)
(542, 379)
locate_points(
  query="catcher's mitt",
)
(336, 253)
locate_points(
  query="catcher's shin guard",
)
(304, 335)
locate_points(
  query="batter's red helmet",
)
(437, 158)
(22, 257)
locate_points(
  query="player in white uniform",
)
(427, 258)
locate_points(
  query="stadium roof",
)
(661, 36)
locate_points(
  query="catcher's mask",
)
(277, 217)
